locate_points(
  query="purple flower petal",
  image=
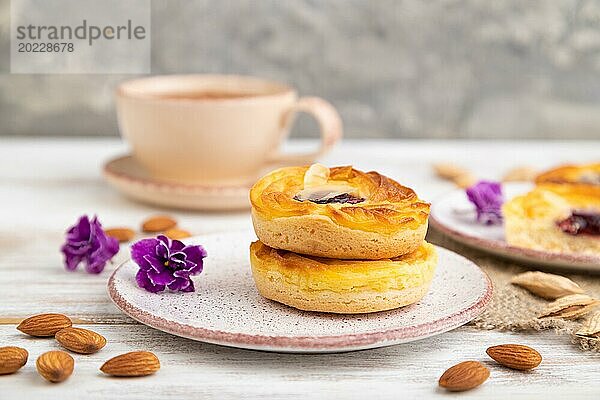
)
(154, 263)
(182, 273)
(144, 282)
(162, 248)
(165, 263)
(87, 243)
(72, 260)
(177, 245)
(160, 278)
(182, 284)
(141, 248)
(195, 252)
(487, 198)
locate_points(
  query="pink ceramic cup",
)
(216, 130)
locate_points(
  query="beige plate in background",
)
(131, 179)
(454, 216)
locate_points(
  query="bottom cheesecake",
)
(342, 286)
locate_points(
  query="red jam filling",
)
(581, 223)
(345, 198)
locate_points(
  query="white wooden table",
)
(46, 184)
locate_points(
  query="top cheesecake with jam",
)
(584, 174)
(561, 218)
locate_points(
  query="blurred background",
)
(406, 69)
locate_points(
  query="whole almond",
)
(136, 363)
(12, 359)
(464, 376)
(121, 234)
(80, 340)
(591, 329)
(44, 325)
(548, 286)
(520, 174)
(158, 223)
(515, 356)
(465, 181)
(177, 234)
(570, 307)
(449, 171)
(461, 177)
(55, 366)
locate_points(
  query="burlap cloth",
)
(513, 308)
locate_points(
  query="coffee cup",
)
(216, 130)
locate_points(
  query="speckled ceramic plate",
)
(226, 309)
(453, 215)
(131, 179)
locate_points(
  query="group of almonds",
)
(57, 365)
(157, 224)
(569, 302)
(464, 178)
(470, 374)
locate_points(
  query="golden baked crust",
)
(531, 220)
(585, 175)
(342, 286)
(389, 221)
(388, 207)
(579, 196)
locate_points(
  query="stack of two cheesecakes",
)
(339, 240)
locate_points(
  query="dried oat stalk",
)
(570, 307)
(548, 286)
(591, 329)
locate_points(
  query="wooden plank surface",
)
(46, 184)
(208, 371)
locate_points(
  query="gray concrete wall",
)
(476, 68)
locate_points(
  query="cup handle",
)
(330, 124)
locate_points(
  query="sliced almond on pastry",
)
(318, 189)
(316, 175)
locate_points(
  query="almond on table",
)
(520, 174)
(135, 363)
(465, 181)
(80, 340)
(449, 171)
(55, 366)
(515, 356)
(44, 325)
(461, 177)
(12, 359)
(464, 376)
(158, 223)
(177, 234)
(121, 234)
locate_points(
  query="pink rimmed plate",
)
(227, 310)
(453, 215)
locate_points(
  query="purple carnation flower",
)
(487, 198)
(165, 263)
(87, 243)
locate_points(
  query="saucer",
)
(130, 178)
